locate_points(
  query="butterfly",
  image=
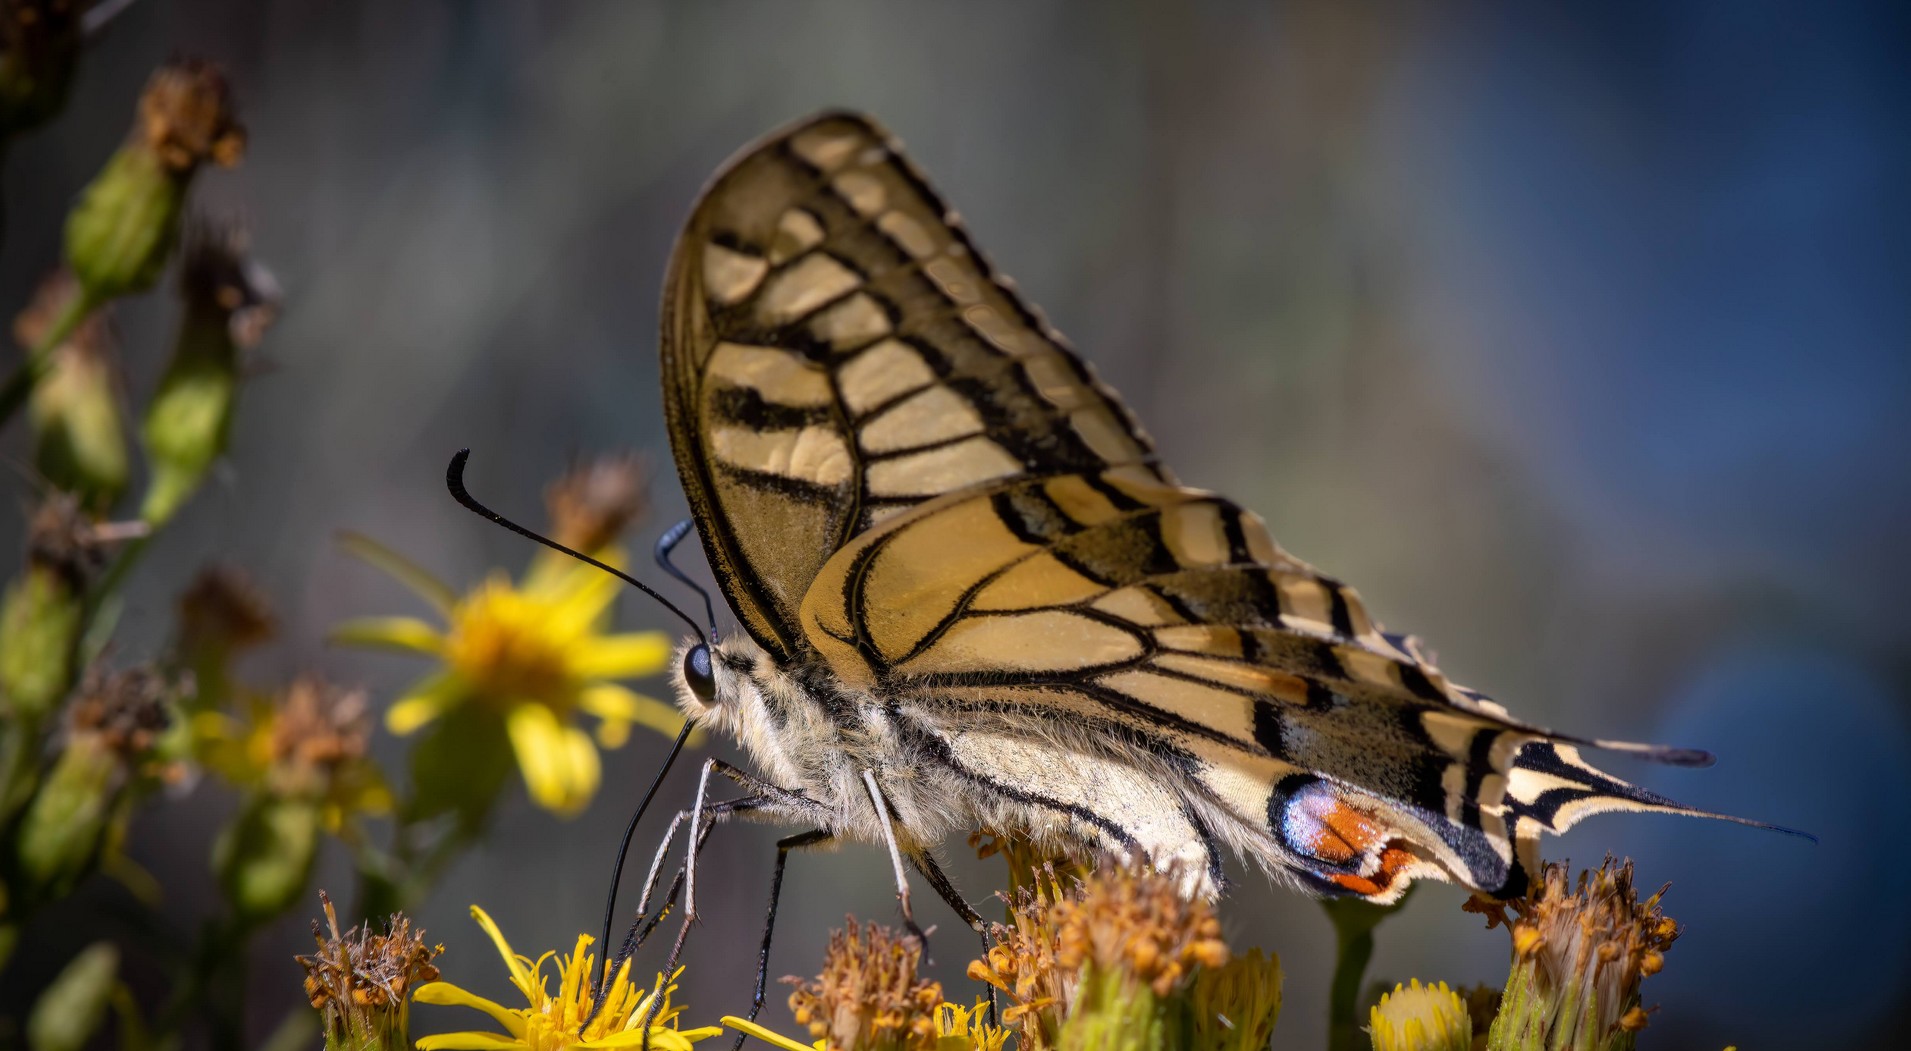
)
(972, 597)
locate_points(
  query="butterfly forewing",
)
(836, 351)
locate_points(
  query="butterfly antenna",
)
(666, 544)
(454, 481)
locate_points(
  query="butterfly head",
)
(714, 679)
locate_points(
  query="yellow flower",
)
(551, 1023)
(308, 743)
(957, 1029)
(535, 654)
(1420, 1018)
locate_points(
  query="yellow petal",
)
(449, 995)
(584, 766)
(521, 975)
(744, 1025)
(619, 708)
(427, 700)
(586, 602)
(660, 1039)
(559, 762)
(469, 1041)
(396, 633)
(401, 569)
(623, 656)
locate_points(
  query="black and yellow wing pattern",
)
(910, 486)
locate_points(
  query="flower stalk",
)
(1354, 920)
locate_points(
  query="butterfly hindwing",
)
(835, 351)
(1115, 621)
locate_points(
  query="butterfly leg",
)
(634, 938)
(925, 863)
(888, 824)
(812, 838)
(781, 800)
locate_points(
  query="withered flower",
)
(221, 613)
(1023, 960)
(595, 501)
(869, 996)
(1579, 956)
(302, 761)
(1136, 922)
(1108, 961)
(361, 982)
(186, 117)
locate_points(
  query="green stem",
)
(1354, 921)
(19, 384)
(206, 993)
(1353, 951)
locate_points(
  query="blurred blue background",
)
(1576, 338)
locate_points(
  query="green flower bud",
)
(114, 726)
(229, 301)
(64, 827)
(264, 858)
(39, 626)
(80, 442)
(40, 614)
(70, 1009)
(127, 219)
(39, 49)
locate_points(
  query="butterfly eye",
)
(697, 674)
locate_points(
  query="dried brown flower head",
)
(320, 729)
(1135, 920)
(218, 276)
(126, 711)
(1586, 947)
(223, 610)
(869, 997)
(62, 537)
(1029, 865)
(186, 118)
(360, 981)
(594, 501)
(1023, 959)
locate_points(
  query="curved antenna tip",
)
(454, 481)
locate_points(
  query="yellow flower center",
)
(508, 647)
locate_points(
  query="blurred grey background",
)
(1575, 338)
